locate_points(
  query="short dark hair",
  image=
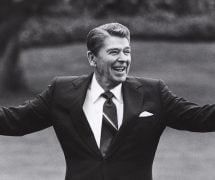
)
(96, 36)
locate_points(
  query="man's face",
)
(112, 61)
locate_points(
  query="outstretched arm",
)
(29, 117)
(182, 114)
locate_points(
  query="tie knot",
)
(107, 95)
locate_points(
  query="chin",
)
(120, 80)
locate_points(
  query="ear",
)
(91, 58)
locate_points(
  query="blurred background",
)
(172, 40)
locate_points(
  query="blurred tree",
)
(13, 15)
(104, 8)
(124, 7)
(183, 7)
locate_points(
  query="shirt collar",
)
(117, 91)
(96, 90)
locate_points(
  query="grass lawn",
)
(187, 68)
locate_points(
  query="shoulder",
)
(62, 84)
(63, 87)
(69, 80)
(142, 81)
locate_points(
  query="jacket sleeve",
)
(184, 115)
(33, 115)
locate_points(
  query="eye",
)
(114, 52)
(127, 51)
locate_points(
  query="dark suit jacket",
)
(132, 152)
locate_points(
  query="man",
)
(108, 124)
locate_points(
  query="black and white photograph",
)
(107, 90)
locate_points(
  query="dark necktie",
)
(109, 122)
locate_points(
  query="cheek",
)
(103, 68)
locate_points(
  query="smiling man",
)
(108, 124)
(112, 57)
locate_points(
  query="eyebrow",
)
(112, 49)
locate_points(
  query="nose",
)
(123, 57)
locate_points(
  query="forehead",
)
(115, 42)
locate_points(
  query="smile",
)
(119, 69)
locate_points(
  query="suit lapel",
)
(133, 99)
(79, 120)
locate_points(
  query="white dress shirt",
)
(93, 107)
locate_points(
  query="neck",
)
(105, 84)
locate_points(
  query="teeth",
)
(120, 69)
